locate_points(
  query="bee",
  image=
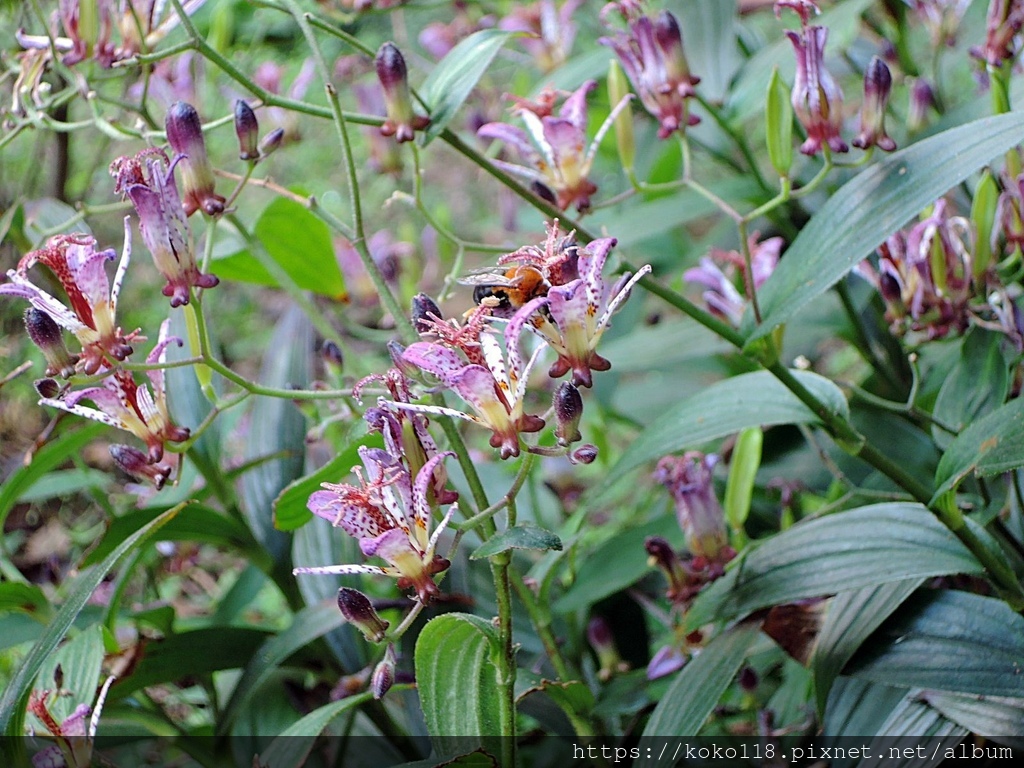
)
(507, 291)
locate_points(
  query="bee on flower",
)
(389, 513)
(92, 299)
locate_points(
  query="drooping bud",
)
(58, 676)
(424, 310)
(877, 86)
(331, 354)
(357, 610)
(599, 635)
(661, 555)
(402, 121)
(135, 463)
(271, 142)
(922, 98)
(46, 335)
(247, 128)
(618, 89)
(568, 407)
(585, 454)
(185, 135)
(384, 674)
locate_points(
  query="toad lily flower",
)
(652, 56)
(494, 390)
(148, 180)
(688, 479)
(74, 735)
(121, 402)
(817, 99)
(390, 516)
(559, 172)
(78, 266)
(580, 312)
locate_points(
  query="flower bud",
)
(331, 354)
(922, 98)
(185, 135)
(618, 89)
(779, 125)
(670, 40)
(748, 679)
(247, 128)
(357, 610)
(568, 407)
(137, 464)
(46, 335)
(599, 635)
(817, 98)
(424, 312)
(58, 676)
(585, 454)
(384, 674)
(661, 555)
(688, 479)
(401, 122)
(47, 388)
(877, 86)
(983, 215)
(271, 142)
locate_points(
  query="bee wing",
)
(490, 278)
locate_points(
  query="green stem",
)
(737, 139)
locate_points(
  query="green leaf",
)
(999, 718)
(859, 707)
(80, 660)
(871, 206)
(697, 688)
(990, 446)
(457, 74)
(710, 40)
(852, 616)
(573, 696)
(519, 537)
(25, 598)
(193, 523)
(15, 695)
(278, 427)
(977, 384)
(291, 748)
(457, 680)
(49, 457)
(290, 511)
(198, 652)
(856, 548)
(616, 564)
(309, 624)
(299, 242)
(729, 406)
(948, 641)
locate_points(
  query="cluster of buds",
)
(1002, 38)
(651, 52)
(817, 98)
(924, 275)
(555, 147)
(721, 295)
(88, 27)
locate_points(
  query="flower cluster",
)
(720, 291)
(651, 52)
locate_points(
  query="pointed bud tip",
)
(424, 310)
(247, 129)
(390, 65)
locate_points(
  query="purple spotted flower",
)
(652, 55)
(92, 300)
(559, 170)
(469, 361)
(580, 311)
(121, 402)
(148, 181)
(74, 735)
(389, 513)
